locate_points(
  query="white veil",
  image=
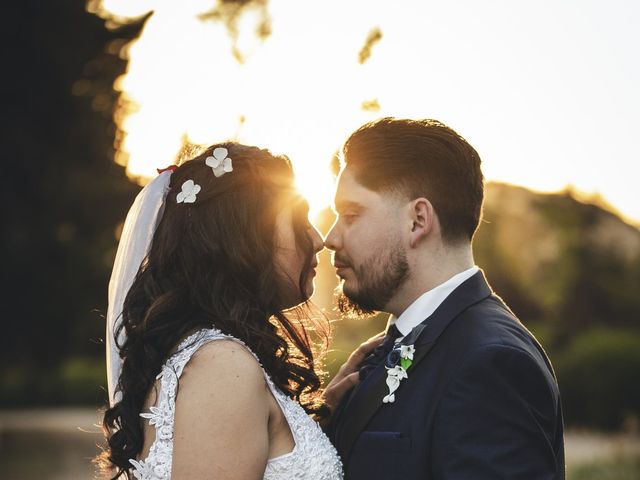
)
(135, 241)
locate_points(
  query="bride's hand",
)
(347, 376)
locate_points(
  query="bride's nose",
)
(316, 239)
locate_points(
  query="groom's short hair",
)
(421, 158)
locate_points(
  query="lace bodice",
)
(312, 458)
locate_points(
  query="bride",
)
(208, 377)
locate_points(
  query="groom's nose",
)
(333, 240)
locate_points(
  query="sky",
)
(546, 91)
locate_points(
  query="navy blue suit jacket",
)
(481, 402)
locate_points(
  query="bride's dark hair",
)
(211, 263)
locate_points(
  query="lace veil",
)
(135, 241)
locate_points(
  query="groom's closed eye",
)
(347, 210)
(349, 217)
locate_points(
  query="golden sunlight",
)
(328, 67)
(184, 83)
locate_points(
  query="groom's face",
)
(369, 251)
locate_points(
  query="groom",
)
(459, 388)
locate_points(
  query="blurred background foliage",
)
(63, 197)
(569, 270)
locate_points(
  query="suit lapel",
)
(366, 398)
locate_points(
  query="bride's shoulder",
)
(223, 365)
(222, 410)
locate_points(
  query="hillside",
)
(559, 261)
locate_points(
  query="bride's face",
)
(292, 258)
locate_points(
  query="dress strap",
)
(188, 347)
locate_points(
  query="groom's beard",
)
(378, 280)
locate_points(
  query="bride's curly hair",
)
(211, 263)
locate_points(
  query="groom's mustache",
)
(340, 262)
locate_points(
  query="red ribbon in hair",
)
(170, 167)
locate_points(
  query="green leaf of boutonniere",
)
(406, 363)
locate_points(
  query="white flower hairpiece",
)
(220, 162)
(188, 193)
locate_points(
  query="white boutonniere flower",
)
(188, 193)
(220, 162)
(398, 362)
(406, 353)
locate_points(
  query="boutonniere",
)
(398, 362)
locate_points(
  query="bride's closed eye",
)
(301, 214)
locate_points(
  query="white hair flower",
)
(220, 162)
(188, 193)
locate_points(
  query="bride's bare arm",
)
(222, 414)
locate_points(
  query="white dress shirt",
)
(427, 303)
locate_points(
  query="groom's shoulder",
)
(491, 322)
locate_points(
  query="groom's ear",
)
(422, 217)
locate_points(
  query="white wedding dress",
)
(312, 458)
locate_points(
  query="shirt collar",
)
(427, 303)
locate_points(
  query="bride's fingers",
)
(355, 359)
(360, 353)
(348, 376)
(333, 394)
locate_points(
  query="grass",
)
(598, 456)
(626, 467)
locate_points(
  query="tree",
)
(62, 195)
